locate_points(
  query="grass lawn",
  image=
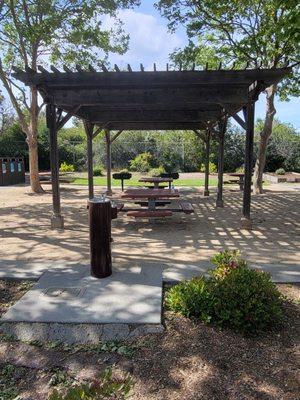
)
(101, 181)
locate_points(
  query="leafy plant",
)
(240, 169)
(191, 299)
(280, 171)
(233, 296)
(8, 390)
(58, 377)
(212, 168)
(64, 167)
(225, 261)
(157, 171)
(114, 347)
(98, 171)
(105, 388)
(142, 162)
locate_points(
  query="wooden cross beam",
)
(63, 120)
(234, 115)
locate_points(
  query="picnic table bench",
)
(155, 197)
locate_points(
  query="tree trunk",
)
(34, 166)
(32, 141)
(264, 138)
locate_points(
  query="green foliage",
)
(234, 296)
(157, 171)
(65, 167)
(280, 171)
(58, 377)
(114, 347)
(8, 390)
(192, 299)
(105, 388)
(142, 162)
(283, 147)
(240, 169)
(98, 171)
(263, 32)
(212, 168)
(225, 261)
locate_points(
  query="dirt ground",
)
(189, 361)
(25, 232)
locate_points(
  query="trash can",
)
(12, 171)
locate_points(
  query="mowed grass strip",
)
(101, 181)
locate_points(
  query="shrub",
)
(240, 169)
(142, 162)
(98, 171)
(104, 388)
(212, 168)
(157, 171)
(191, 299)
(225, 261)
(280, 171)
(65, 167)
(234, 296)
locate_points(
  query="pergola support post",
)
(57, 220)
(207, 151)
(108, 162)
(89, 134)
(249, 111)
(222, 129)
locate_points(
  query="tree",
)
(264, 33)
(283, 147)
(62, 31)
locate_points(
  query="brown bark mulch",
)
(188, 361)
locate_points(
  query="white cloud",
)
(150, 40)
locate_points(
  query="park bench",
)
(186, 207)
(150, 213)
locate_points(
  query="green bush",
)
(98, 171)
(157, 171)
(212, 168)
(104, 388)
(191, 299)
(240, 170)
(64, 167)
(142, 162)
(225, 261)
(280, 171)
(234, 296)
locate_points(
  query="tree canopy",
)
(262, 33)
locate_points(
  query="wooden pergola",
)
(199, 100)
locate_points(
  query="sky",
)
(151, 42)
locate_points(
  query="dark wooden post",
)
(89, 134)
(57, 220)
(207, 151)
(108, 162)
(100, 215)
(222, 129)
(249, 117)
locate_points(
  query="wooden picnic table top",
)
(155, 179)
(150, 193)
(238, 174)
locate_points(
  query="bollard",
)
(100, 215)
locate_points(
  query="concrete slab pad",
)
(31, 270)
(130, 296)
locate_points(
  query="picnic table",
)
(156, 180)
(154, 197)
(240, 181)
